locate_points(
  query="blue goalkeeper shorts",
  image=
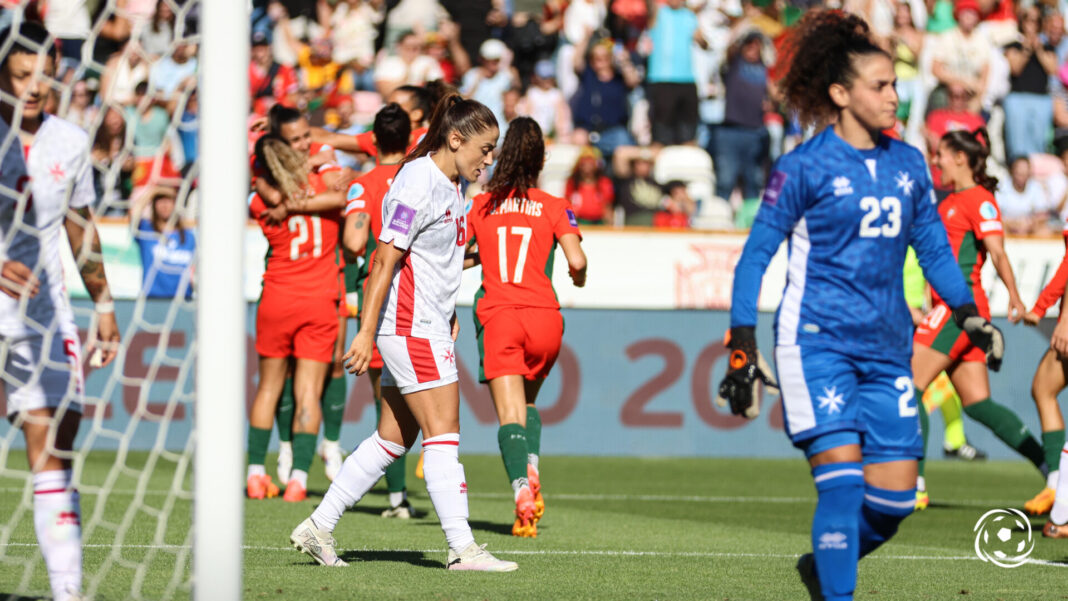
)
(831, 399)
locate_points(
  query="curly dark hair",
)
(820, 52)
(976, 146)
(519, 161)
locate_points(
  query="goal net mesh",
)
(133, 454)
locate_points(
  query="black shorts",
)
(673, 112)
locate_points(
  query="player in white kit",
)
(46, 183)
(410, 305)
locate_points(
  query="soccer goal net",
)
(151, 444)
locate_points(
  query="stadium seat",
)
(689, 164)
(713, 213)
(559, 163)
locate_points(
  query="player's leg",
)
(1049, 380)
(927, 363)
(821, 414)
(333, 406)
(970, 378)
(544, 329)
(308, 378)
(40, 402)
(272, 374)
(1057, 526)
(396, 478)
(509, 398)
(283, 416)
(534, 445)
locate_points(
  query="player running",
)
(46, 185)
(363, 225)
(851, 200)
(973, 222)
(517, 316)
(1048, 382)
(412, 289)
(297, 314)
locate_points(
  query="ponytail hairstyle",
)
(976, 147)
(287, 169)
(519, 162)
(435, 91)
(454, 113)
(280, 115)
(821, 51)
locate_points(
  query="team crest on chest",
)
(904, 182)
(842, 186)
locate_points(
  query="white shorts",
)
(413, 364)
(33, 381)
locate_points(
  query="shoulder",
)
(902, 151)
(66, 132)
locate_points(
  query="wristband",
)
(105, 307)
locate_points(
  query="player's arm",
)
(576, 258)
(323, 201)
(272, 197)
(471, 256)
(995, 247)
(343, 142)
(357, 229)
(1052, 293)
(358, 357)
(16, 278)
(85, 244)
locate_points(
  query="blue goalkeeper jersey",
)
(850, 216)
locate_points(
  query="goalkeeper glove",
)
(982, 333)
(745, 368)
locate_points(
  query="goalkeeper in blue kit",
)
(850, 201)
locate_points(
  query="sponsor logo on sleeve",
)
(355, 191)
(574, 222)
(987, 210)
(990, 226)
(403, 217)
(774, 188)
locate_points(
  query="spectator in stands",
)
(68, 21)
(533, 33)
(409, 66)
(599, 108)
(114, 30)
(444, 47)
(493, 76)
(113, 164)
(149, 122)
(1053, 34)
(157, 37)
(675, 208)
(741, 142)
(353, 31)
(509, 108)
(168, 247)
(122, 73)
(472, 17)
(420, 16)
(961, 56)
(269, 81)
(545, 103)
(188, 131)
(582, 22)
(589, 190)
(178, 70)
(957, 115)
(628, 20)
(670, 82)
(1028, 106)
(636, 191)
(1024, 206)
(906, 46)
(82, 111)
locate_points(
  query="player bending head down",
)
(48, 188)
(850, 200)
(409, 312)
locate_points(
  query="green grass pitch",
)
(614, 528)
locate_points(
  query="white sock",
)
(1051, 479)
(532, 459)
(57, 520)
(447, 486)
(1059, 514)
(300, 476)
(255, 470)
(361, 470)
(921, 484)
(396, 498)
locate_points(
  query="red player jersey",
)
(366, 141)
(516, 240)
(970, 216)
(302, 259)
(365, 195)
(1054, 290)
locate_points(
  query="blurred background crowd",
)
(659, 113)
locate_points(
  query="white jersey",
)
(59, 174)
(423, 214)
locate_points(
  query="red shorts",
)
(523, 341)
(939, 331)
(305, 328)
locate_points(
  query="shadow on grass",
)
(18, 597)
(414, 558)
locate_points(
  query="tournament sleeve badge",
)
(403, 217)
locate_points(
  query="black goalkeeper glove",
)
(982, 333)
(745, 368)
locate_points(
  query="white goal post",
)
(218, 516)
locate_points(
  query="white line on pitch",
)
(587, 552)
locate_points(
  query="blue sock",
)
(883, 511)
(835, 538)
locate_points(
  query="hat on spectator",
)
(589, 152)
(259, 38)
(492, 50)
(963, 5)
(544, 69)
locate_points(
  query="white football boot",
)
(476, 558)
(308, 538)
